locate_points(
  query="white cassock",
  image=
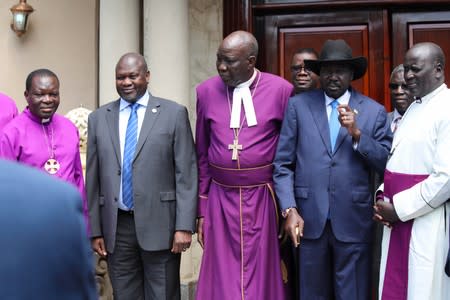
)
(422, 146)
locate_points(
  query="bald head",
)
(133, 58)
(236, 58)
(242, 39)
(424, 68)
(431, 50)
(132, 77)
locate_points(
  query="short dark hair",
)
(397, 69)
(307, 50)
(41, 73)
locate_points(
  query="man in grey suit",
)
(400, 97)
(141, 186)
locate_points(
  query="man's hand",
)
(181, 241)
(200, 236)
(98, 245)
(294, 227)
(347, 118)
(385, 213)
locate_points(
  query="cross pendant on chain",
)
(235, 147)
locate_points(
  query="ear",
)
(147, 76)
(439, 70)
(26, 95)
(252, 60)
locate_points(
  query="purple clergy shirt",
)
(27, 140)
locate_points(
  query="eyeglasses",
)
(394, 86)
(298, 68)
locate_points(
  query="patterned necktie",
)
(334, 124)
(128, 155)
(396, 123)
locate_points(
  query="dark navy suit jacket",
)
(45, 249)
(315, 180)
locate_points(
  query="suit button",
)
(119, 172)
(115, 199)
(333, 164)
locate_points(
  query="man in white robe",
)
(417, 186)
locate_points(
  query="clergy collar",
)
(37, 119)
(143, 101)
(344, 99)
(252, 81)
(249, 82)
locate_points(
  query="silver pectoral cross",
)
(235, 147)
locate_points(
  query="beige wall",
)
(62, 37)
(205, 35)
(115, 39)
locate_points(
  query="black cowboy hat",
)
(338, 51)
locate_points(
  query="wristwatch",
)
(285, 213)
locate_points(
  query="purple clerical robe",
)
(27, 140)
(241, 258)
(8, 110)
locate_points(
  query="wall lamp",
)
(20, 14)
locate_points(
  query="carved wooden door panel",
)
(381, 30)
(410, 28)
(363, 31)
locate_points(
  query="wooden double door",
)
(382, 31)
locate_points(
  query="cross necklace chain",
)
(235, 146)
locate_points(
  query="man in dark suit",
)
(141, 186)
(46, 253)
(330, 141)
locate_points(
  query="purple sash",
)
(395, 286)
(241, 177)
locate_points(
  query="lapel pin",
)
(154, 110)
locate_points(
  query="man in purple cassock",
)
(8, 110)
(239, 115)
(43, 139)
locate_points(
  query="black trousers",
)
(138, 274)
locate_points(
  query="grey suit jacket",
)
(164, 174)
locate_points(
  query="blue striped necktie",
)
(334, 124)
(128, 155)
